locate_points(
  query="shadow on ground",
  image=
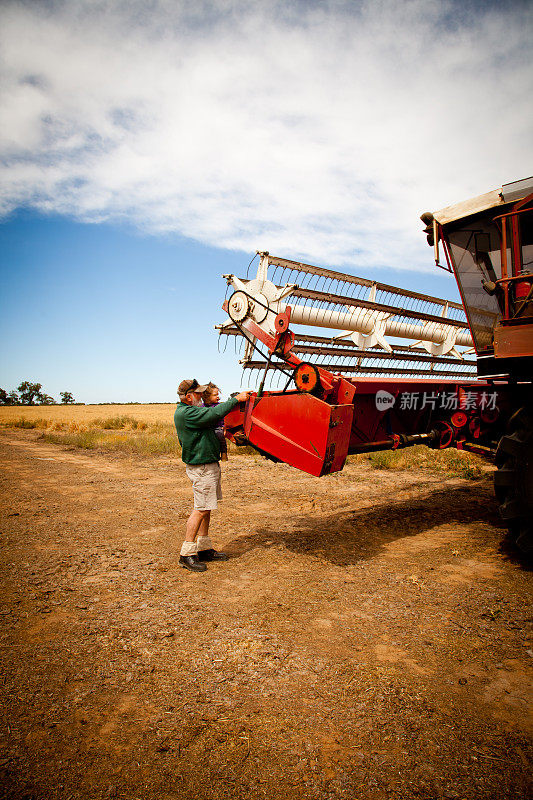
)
(356, 535)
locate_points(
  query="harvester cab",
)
(488, 245)
(380, 367)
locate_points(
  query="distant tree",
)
(46, 400)
(11, 399)
(67, 397)
(29, 393)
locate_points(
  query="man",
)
(200, 450)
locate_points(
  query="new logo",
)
(384, 400)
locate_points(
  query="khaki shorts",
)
(206, 485)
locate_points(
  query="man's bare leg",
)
(189, 550)
(205, 548)
(203, 530)
(197, 541)
(198, 522)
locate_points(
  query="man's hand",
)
(242, 397)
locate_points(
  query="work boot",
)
(212, 555)
(192, 563)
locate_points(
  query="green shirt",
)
(195, 426)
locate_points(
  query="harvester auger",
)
(402, 368)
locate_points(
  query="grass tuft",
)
(449, 462)
(144, 442)
(86, 440)
(23, 422)
(382, 459)
(120, 422)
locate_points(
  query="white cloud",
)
(311, 129)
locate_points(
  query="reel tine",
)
(222, 342)
(250, 264)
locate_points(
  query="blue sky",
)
(148, 148)
(109, 313)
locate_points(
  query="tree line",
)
(30, 394)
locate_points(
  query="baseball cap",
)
(191, 385)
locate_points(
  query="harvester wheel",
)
(513, 481)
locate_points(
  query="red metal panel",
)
(338, 439)
(296, 429)
(432, 400)
(234, 420)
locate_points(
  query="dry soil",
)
(370, 638)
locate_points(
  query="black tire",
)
(513, 480)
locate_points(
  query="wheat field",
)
(87, 415)
(141, 429)
(149, 430)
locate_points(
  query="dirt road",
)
(368, 639)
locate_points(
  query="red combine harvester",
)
(403, 368)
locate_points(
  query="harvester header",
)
(377, 367)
